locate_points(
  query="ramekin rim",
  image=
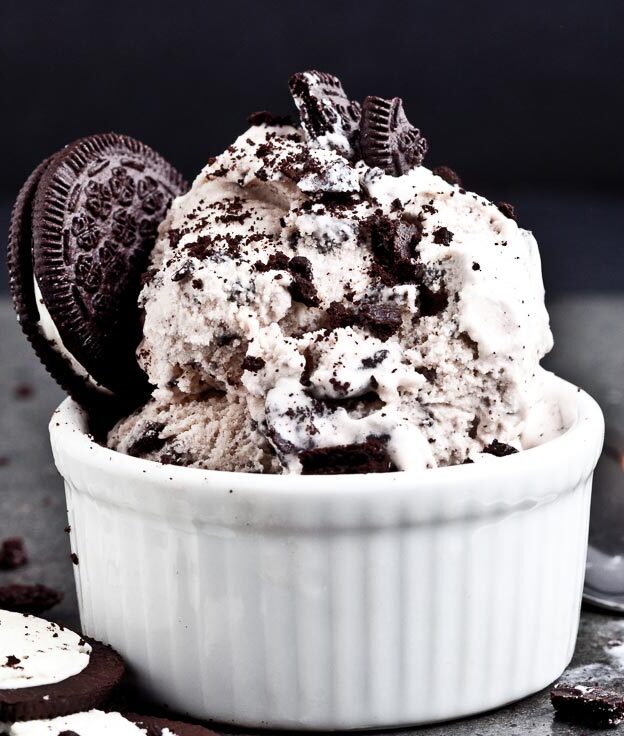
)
(68, 428)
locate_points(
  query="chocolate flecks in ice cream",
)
(308, 312)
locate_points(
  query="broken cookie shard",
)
(389, 141)
(326, 111)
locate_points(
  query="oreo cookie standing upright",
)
(388, 139)
(81, 232)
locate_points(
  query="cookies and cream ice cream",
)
(320, 301)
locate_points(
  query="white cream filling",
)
(49, 330)
(93, 723)
(47, 653)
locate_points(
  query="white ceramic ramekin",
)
(334, 602)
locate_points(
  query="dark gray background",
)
(525, 99)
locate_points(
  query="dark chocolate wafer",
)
(82, 229)
(88, 689)
(21, 281)
(388, 140)
(364, 457)
(499, 449)
(588, 706)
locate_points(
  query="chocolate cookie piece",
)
(88, 689)
(449, 175)
(81, 231)
(325, 109)
(253, 364)
(499, 449)
(365, 457)
(338, 315)
(382, 320)
(389, 141)
(508, 210)
(442, 236)
(395, 246)
(28, 598)
(302, 288)
(432, 302)
(13, 553)
(146, 439)
(588, 706)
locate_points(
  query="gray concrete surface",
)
(590, 350)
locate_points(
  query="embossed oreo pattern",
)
(388, 139)
(96, 216)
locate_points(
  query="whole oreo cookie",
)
(326, 110)
(81, 232)
(389, 141)
(69, 673)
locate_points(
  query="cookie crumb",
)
(23, 391)
(508, 210)
(449, 175)
(499, 449)
(34, 599)
(13, 553)
(253, 364)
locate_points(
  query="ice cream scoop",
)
(340, 311)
